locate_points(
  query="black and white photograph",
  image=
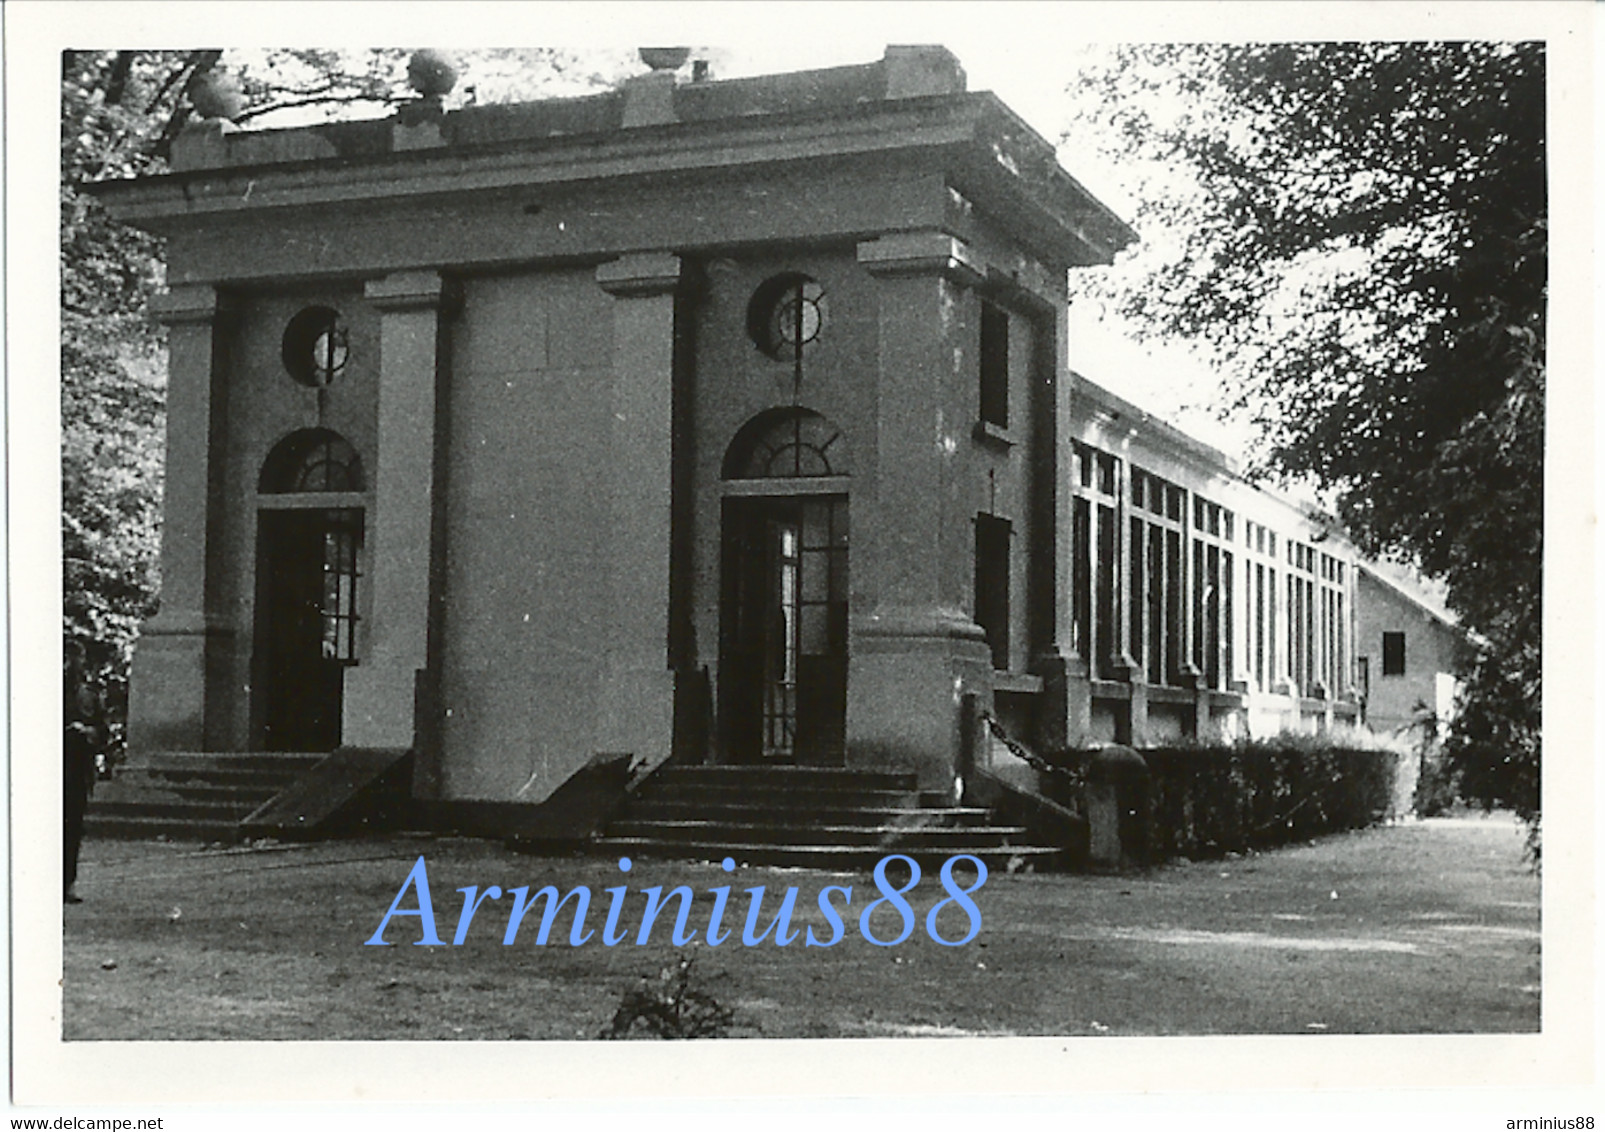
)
(978, 554)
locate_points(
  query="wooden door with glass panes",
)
(307, 623)
(783, 664)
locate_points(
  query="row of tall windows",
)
(1317, 641)
(1154, 583)
(1174, 585)
(1317, 638)
(1259, 546)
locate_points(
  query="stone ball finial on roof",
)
(216, 94)
(665, 58)
(431, 73)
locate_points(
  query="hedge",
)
(1207, 801)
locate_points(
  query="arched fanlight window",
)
(313, 459)
(781, 443)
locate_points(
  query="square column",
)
(916, 651)
(177, 647)
(381, 692)
(635, 705)
(1065, 712)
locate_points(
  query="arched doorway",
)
(309, 541)
(784, 592)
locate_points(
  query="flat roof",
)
(914, 98)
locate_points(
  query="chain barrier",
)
(1036, 762)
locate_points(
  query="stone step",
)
(191, 795)
(786, 777)
(272, 780)
(283, 764)
(997, 858)
(646, 809)
(816, 817)
(900, 838)
(193, 789)
(115, 825)
(786, 797)
(156, 806)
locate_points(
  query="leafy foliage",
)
(1357, 233)
(1206, 801)
(669, 1007)
(116, 107)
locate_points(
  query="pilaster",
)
(181, 645)
(1063, 716)
(401, 541)
(915, 651)
(636, 705)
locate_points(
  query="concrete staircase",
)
(190, 796)
(810, 816)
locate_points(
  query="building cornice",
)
(985, 148)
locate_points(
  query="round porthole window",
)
(316, 346)
(786, 314)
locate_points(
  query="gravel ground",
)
(1422, 927)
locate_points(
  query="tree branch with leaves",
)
(1357, 234)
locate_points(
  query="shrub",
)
(1438, 788)
(669, 1008)
(1209, 800)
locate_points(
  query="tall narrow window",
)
(1259, 545)
(1304, 626)
(340, 573)
(1393, 654)
(1081, 577)
(1213, 527)
(1154, 580)
(992, 585)
(1334, 655)
(1095, 484)
(994, 365)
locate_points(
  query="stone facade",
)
(725, 421)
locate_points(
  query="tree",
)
(120, 113)
(115, 108)
(1357, 234)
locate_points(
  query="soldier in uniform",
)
(78, 748)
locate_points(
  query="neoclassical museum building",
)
(712, 423)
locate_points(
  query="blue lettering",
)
(425, 911)
(610, 933)
(470, 906)
(778, 925)
(830, 915)
(959, 896)
(895, 896)
(720, 895)
(521, 903)
(654, 902)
